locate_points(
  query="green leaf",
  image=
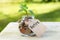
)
(20, 10)
(24, 6)
(31, 12)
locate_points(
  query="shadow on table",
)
(49, 34)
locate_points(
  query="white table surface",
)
(11, 32)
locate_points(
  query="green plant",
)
(25, 9)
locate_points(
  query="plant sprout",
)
(25, 9)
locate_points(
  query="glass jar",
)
(23, 26)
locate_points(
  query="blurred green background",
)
(45, 10)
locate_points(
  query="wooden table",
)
(11, 32)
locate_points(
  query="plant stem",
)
(27, 14)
